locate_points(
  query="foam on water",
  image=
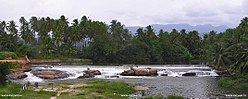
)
(32, 78)
(113, 72)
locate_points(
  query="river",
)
(203, 85)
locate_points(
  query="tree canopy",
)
(103, 43)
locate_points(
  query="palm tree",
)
(7, 42)
(12, 30)
(34, 27)
(26, 33)
(220, 57)
(240, 55)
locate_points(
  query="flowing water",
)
(203, 85)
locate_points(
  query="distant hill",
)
(202, 29)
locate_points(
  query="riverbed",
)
(202, 85)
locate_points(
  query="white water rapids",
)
(113, 72)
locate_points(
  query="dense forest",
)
(102, 43)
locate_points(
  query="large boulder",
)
(94, 72)
(128, 73)
(90, 73)
(16, 75)
(50, 74)
(140, 72)
(189, 74)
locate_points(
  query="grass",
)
(106, 89)
(91, 90)
(15, 89)
(235, 83)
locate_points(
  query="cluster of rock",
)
(90, 73)
(140, 72)
(18, 73)
(50, 73)
(224, 73)
(57, 74)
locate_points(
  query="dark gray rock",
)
(164, 75)
(189, 74)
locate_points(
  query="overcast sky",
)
(131, 12)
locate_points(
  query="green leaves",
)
(113, 43)
(230, 48)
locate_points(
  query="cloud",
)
(131, 12)
(245, 7)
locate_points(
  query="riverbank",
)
(86, 90)
(202, 85)
(238, 82)
(59, 61)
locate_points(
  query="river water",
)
(203, 85)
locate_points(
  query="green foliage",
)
(76, 61)
(8, 88)
(30, 51)
(113, 43)
(9, 55)
(235, 83)
(95, 90)
(15, 89)
(228, 50)
(5, 69)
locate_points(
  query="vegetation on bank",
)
(102, 43)
(5, 69)
(92, 89)
(7, 55)
(45, 37)
(13, 89)
(237, 83)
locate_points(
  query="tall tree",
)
(34, 27)
(12, 30)
(25, 31)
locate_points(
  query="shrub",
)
(4, 70)
(5, 55)
(237, 82)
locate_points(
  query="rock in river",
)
(50, 73)
(164, 74)
(94, 72)
(90, 73)
(140, 72)
(16, 75)
(189, 74)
